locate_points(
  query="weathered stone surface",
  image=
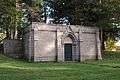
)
(46, 42)
(44, 46)
(13, 48)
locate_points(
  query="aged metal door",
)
(68, 52)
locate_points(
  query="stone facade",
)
(44, 42)
(13, 48)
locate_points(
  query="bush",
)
(111, 55)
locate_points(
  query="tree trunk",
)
(102, 40)
(15, 33)
(7, 34)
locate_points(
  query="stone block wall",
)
(13, 48)
(28, 43)
(44, 45)
(46, 42)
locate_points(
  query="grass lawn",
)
(11, 69)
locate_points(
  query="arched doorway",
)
(69, 47)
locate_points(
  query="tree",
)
(11, 15)
(109, 19)
(8, 17)
(102, 13)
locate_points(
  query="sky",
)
(118, 43)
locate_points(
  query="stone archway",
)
(70, 43)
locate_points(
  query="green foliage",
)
(2, 36)
(109, 13)
(87, 12)
(37, 4)
(110, 44)
(25, 22)
(35, 9)
(11, 15)
(111, 55)
(8, 17)
(104, 14)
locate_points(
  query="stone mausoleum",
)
(59, 43)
